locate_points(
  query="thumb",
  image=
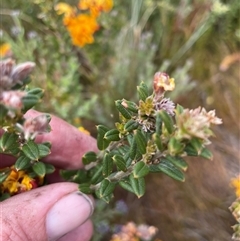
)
(47, 213)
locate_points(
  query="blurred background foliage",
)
(194, 41)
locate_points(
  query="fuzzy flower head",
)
(196, 123)
(165, 104)
(162, 82)
(19, 181)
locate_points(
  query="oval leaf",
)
(89, 157)
(141, 169)
(22, 162)
(39, 168)
(106, 188)
(169, 169)
(44, 150)
(31, 150)
(107, 165)
(120, 162)
(138, 185)
(178, 162)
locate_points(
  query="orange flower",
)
(82, 129)
(5, 49)
(235, 183)
(81, 28)
(96, 6)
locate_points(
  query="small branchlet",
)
(152, 136)
(18, 133)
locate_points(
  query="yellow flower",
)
(64, 8)
(236, 184)
(82, 129)
(96, 6)
(19, 181)
(5, 49)
(81, 28)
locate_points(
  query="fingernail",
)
(67, 214)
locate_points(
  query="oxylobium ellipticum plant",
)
(152, 136)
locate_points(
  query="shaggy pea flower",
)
(96, 6)
(19, 181)
(162, 82)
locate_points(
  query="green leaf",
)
(4, 196)
(167, 120)
(169, 169)
(179, 109)
(106, 199)
(175, 146)
(89, 157)
(133, 149)
(120, 162)
(178, 162)
(39, 168)
(81, 177)
(85, 188)
(206, 153)
(3, 113)
(36, 92)
(141, 141)
(22, 162)
(97, 176)
(158, 141)
(131, 125)
(31, 150)
(30, 101)
(112, 135)
(190, 150)
(197, 144)
(106, 188)
(4, 173)
(44, 150)
(130, 105)
(101, 142)
(126, 185)
(143, 92)
(67, 174)
(9, 142)
(107, 165)
(124, 112)
(158, 124)
(138, 185)
(141, 169)
(49, 168)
